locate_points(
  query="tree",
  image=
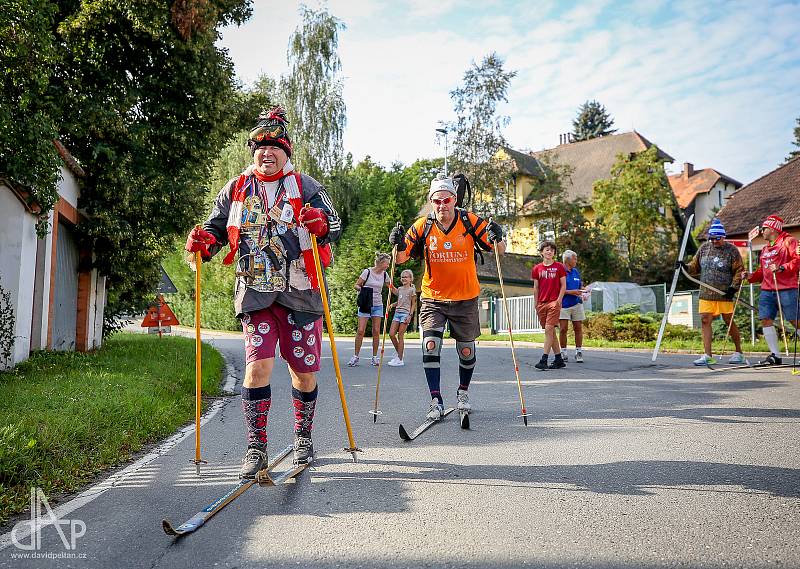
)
(593, 121)
(146, 97)
(564, 218)
(478, 136)
(313, 94)
(28, 115)
(385, 197)
(796, 142)
(632, 206)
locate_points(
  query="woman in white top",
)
(375, 278)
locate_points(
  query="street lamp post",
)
(444, 132)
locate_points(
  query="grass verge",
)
(65, 416)
(668, 345)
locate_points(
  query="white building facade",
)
(57, 299)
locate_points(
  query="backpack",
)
(419, 248)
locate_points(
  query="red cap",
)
(774, 222)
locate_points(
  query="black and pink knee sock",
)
(256, 402)
(304, 405)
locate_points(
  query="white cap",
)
(442, 184)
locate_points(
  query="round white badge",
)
(263, 328)
(298, 352)
(311, 340)
(448, 245)
(250, 328)
(310, 359)
(297, 335)
(256, 340)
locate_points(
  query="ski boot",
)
(436, 411)
(463, 401)
(255, 459)
(303, 448)
(771, 360)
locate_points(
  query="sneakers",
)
(353, 361)
(578, 357)
(436, 411)
(736, 358)
(375, 360)
(396, 362)
(771, 360)
(253, 461)
(564, 357)
(303, 448)
(463, 401)
(558, 363)
(705, 360)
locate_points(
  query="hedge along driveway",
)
(65, 417)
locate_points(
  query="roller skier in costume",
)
(718, 264)
(261, 214)
(778, 267)
(446, 241)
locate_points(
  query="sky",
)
(715, 83)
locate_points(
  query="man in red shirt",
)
(549, 285)
(777, 273)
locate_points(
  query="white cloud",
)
(714, 83)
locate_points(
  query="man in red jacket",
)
(777, 273)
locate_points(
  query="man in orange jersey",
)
(447, 241)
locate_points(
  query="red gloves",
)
(315, 220)
(199, 239)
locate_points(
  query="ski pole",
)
(198, 362)
(733, 314)
(795, 371)
(525, 413)
(375, 411)
(780, 313)
(353, 449)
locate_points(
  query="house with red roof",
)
(701, 192)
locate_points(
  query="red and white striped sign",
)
(753, 233)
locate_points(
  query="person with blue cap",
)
(718, 264)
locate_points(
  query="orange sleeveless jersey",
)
(452, 274)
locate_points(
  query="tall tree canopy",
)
(634, 206)
(478, 130)
(141, 96)
(28, 116)
(313, 93)
(795, 142)
(592, 121)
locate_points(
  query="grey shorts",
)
(462, 315)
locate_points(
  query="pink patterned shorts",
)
(265, 328)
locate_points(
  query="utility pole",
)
(444, 132)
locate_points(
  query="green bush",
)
(627, 325)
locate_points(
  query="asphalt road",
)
(623, 464)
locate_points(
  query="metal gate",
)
(523, 315)
(65, 298)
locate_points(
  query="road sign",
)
(738, 242)
(159, 315)
(753, 233)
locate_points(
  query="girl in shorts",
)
(405, 307)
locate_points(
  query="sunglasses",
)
(717, 239)
(443, 201)
(272, 132)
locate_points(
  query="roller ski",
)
(435, 415)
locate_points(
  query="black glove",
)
(730, 292)
(397, 236)
(494, 232)
(679, 264)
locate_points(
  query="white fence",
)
(522, 310)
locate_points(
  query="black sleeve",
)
(217, 222)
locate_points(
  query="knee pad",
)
(466, 354)
(432, 347)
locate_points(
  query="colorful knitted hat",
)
(716, 229)
(271, 130)
(774, 222)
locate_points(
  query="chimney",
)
(688, 170)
